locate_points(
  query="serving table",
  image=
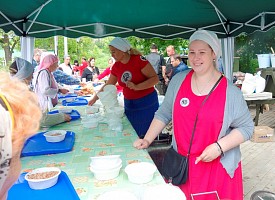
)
(97, 141)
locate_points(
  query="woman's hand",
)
(63, 91)
(209, 154)
(67, 117)
(141, 144)
(131, 85)
(92, 101)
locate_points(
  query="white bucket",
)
(272, 56)
(264, 60)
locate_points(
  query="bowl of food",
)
(55, 135)
(42, 178)
(142, 172)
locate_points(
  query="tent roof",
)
(142, 18)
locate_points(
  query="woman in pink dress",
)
(224, 122)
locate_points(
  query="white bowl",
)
(55, 135)
(163, 192)
(89, 122)
(70, 99)
(109, 88)
(92, 109)
(105, 160)
(117, 195)
(139, 173)
(104, 165)
(106, 174)
(40, 183)
(65, 110)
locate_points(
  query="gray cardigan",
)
(236, 115)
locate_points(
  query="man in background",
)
(36, 58)
(168, 70)
(178, 65)
(158, 62)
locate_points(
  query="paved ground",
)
(258, 159)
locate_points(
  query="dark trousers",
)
(140, 112)
(161, 87)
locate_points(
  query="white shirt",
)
(66, 69)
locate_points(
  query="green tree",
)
(9, 42)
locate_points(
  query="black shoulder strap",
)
(50, 82)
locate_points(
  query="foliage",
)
(248, 46)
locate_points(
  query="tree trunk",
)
(6, 47)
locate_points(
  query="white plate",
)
(117, 195)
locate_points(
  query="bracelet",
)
(220, 148)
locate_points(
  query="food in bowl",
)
(55, 135)
(42, 178)
(142, 172)
(70, 99)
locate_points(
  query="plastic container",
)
(264, 60)
(55, 135)
(106, 174)
(105, 160)
(105, 165)
(42, 183)
(140, 173)
(65, 110)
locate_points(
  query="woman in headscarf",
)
(18, 122)
(22, 69)
(47, 89)
(223, 122)
(137, 77)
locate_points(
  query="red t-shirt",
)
(131, 71)
(106, 72)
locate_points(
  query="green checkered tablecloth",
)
(95, 142)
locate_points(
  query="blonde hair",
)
(24, 105)
(134, 52)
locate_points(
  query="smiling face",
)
(200, 56)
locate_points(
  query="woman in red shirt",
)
(137, 77)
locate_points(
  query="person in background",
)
(91, 71)
(107, 71)
(158, 63)
(19, 120)
(83, 66)
(66, 66)
(178, 65)
(46, 88)
(223, 123)
(166, 73)
(137, 77)
(22, 69)
(63, 78)
(36, 58)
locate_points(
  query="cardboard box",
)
(263, 134)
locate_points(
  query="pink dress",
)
(204, 176)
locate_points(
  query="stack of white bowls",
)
(106, 167)
(113, 112)
(108, 97)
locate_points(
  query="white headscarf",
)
(24, 68)
(210, 38)
(5, 140)
(120, 44)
